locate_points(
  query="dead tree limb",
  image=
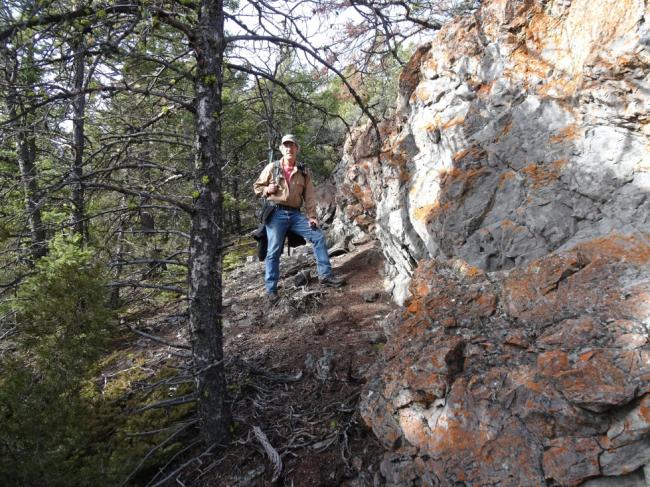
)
(274, 456)
(157, 339)
(154, 449)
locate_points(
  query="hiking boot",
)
(273, 298)
(332, 281)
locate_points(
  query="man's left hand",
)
(313, 222)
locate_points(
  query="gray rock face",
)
(521, 131)
(510, 195)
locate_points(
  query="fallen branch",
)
(277, 377)
(157, 339)
(186, 399)
(8, 333)
(181, 467)
(161, 430)
(271, 452)
(154, 449)
(135, 284)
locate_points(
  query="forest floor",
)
(295, 374)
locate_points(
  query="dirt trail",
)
(295, 370)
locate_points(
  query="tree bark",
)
(26, 155)
(205, 295)
(236, 212)
(78, 139)
(115, 300)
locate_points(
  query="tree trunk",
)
(78, 139)
(237, 212)
(115, 301)
(26, 155)
(26, 162)
(206, 233)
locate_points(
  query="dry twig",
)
(157, 339)
(271, 452)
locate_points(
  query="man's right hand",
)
(271, 189)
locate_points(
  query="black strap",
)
(277, 171)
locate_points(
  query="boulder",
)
(519, 377)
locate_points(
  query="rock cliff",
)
(510, 196)
(521, 131)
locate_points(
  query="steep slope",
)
(296, 370)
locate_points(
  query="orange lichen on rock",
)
(484, 90)
(634, 249)
(456, 175)
(510, 226)
(468, 270)
(561, 88)
(506, 128)
(569, 132)
(414, 429)
(553, 363)
(453, 122)
(422, 213)
(570, 461)
(471, 152)
(431, 124)
(505, 177)
(528, 65)
(428, 213)
(422, 93)
(450, 435)
(543, 175)
(430, 64)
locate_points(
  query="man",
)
(288, 190)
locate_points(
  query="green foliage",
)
(60, 312)
(237, 256)
(123, 447)
(59, 425)
(63, 326)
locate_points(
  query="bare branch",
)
(311, 52)
(176, 401)
(147, 286)
(144, 194)
(272, 453)
(157, 339)
(167, 440)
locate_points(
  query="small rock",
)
(361, 239)
(338, 249)
(370, 296)
(630, 341)
(319, 328)
(324, 366)
(248, 321)
(374, 337)
(302, 278)
(310, 362)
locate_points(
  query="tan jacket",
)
(301, 189)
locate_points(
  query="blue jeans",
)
(276, 228)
